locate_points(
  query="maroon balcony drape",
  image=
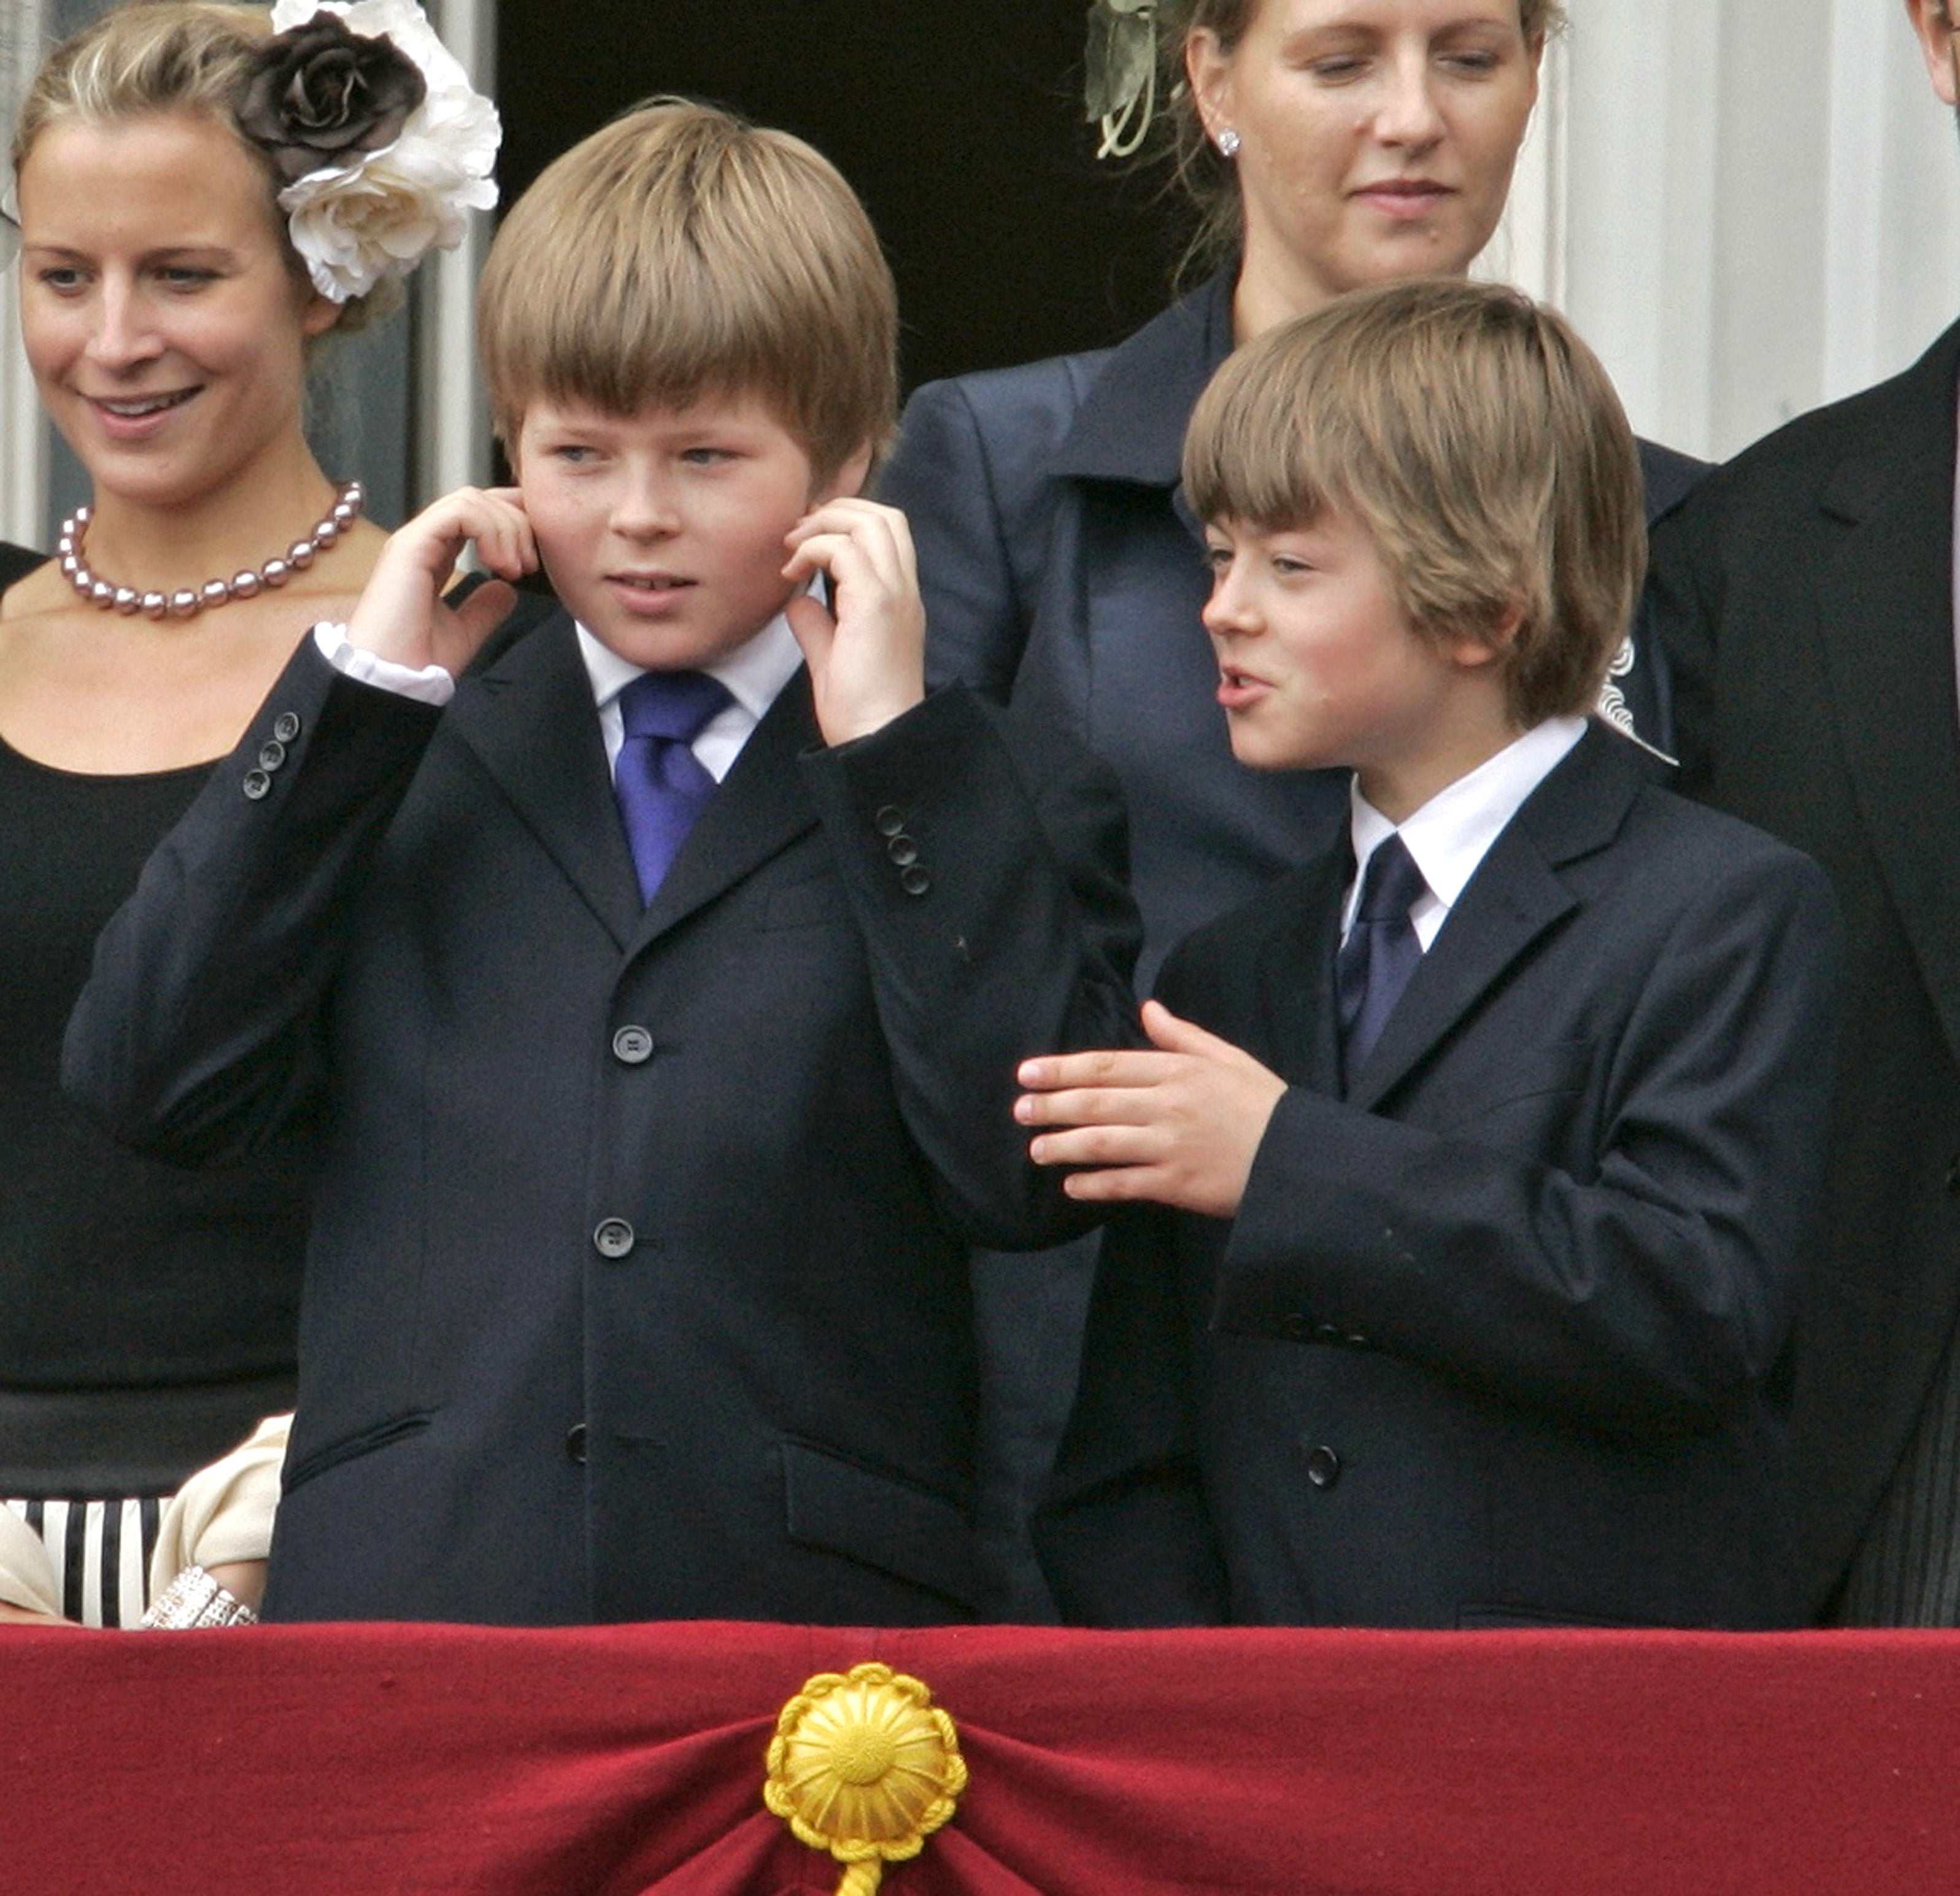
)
(360, 1761)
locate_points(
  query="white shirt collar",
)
(754, 672)
(1450, 835)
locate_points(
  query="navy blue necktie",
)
(661, 785)
(1379, 955)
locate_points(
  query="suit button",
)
(271, 754)
(1296, 1324)
(614, 1237)
(1357, 1339)
(890, 821)
(634, 1045)
(1323, 1467)
(914, 880)
(256, 784)
(1326, 1332)
(574, 1443)
(903, 850)
(286, 726)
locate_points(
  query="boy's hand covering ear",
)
(867, 661)
(401, 615)
(1179, 1126)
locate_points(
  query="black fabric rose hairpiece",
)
(382, 146)
(322, 96)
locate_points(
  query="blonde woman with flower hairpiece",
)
(206, 193)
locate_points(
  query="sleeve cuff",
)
(431, 685)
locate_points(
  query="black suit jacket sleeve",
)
(983, 856)
(194, 1037)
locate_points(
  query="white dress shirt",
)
(1451, 834)
(754, 673)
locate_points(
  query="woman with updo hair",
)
(207, 194)
(1326, 145)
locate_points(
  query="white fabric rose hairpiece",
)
(373, 126)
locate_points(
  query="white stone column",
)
(1758, 206)
(452, 446)
(23, 437)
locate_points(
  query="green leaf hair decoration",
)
(1121, 87)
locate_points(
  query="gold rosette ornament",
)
(863, 1765)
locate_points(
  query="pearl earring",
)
(1228, 143)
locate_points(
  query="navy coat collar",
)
(1130, 424)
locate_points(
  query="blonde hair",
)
(189, 57)
(682, 252)
(1478, 443)
(1209, 180)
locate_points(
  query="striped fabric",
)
(1907, 1569)
(100, 1551)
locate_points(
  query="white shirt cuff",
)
(432, 685)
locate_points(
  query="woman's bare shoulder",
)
(28, 584)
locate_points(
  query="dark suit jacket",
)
(1062, 568)
(1487, 1342)
(637, 1288)
(1804, 595)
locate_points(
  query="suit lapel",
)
(529, 718)
(1515, 896)
(1885, 568)
(761, 806)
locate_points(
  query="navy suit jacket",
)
(1805, 597)
(638, 1287)
(1488, 1341)
(1062, 568)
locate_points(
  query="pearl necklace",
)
(347, 506)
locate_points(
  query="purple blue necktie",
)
(661, 785)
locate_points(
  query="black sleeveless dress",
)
(148, 1315)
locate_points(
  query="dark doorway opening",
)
(959, 123)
